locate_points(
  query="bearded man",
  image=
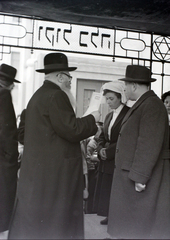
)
(50, 192)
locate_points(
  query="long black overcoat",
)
(8, 158)
(142, 156)
(50, 191)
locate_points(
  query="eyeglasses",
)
(66, 75)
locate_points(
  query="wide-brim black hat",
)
(55, 62)
(8, 72)
(138, 73)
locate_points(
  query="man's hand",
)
(139, 187)
(85, 193)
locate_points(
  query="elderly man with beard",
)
(50, 193)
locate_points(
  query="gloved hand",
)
(139, 187)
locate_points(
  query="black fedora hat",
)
(8, 72)
(138, 73)
(55, 62)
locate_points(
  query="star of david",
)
(161, 48)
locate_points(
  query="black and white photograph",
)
(84, 119)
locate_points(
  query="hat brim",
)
(138, 80)
(8, 78)
(55, 69)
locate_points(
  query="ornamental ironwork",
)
(161, 48)
(136, 46)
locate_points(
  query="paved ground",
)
(93, 228)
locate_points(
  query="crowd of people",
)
(69, 166)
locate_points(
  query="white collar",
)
(117, 110)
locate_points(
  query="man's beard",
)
(70, 96)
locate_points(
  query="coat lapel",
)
(137, 104)
(119, 117)
(106, 125)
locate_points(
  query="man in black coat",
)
(8, 146)
(140, 195)
(50, 192)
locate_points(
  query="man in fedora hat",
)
(140, 196)
(8, 147)
(50, 193)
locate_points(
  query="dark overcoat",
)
(8, 158)
(106, 167)
(50, 192)
(141, 156)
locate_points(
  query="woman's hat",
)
(137, 73)
(116, 86)
(8, 72)
(55, 62)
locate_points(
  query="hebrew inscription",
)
(75, 38)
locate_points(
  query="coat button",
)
(117, 150)
(119, 134)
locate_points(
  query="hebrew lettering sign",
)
(74, 38)
(25, 32)
(140, 47)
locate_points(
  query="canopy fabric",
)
(142, 15)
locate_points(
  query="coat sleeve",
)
(101, 141)
(104, 141)
(110, 151)
(102, 137)
(8, 129)
(64, 121)
(21, 127)
(110, 147)
(152, 130)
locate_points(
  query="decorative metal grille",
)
(138, 47)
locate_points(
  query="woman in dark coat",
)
(166, 100)
(115, 98)
(8, 146)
